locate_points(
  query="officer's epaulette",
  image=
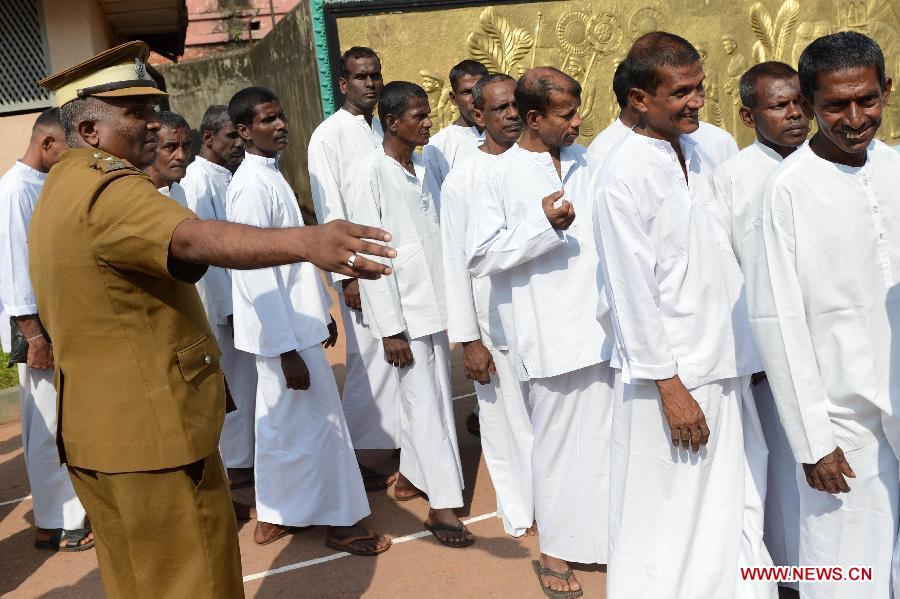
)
(108, 164)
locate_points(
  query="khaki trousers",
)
(164, 534)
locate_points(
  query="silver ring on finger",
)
(351, 260)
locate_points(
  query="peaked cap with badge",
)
(119, 71)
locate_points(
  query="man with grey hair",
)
(205, 184)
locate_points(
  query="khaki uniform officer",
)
(141, 394)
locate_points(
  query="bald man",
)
(58, 515)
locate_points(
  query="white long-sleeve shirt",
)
(675, 288)
(205, 186)
(553, 276)
(473, 308)
(384, 194)
(448, 145)
(739, 184)
(824, 300)
(20, 187)
(716, 144)
(281, 308)
(337, 145)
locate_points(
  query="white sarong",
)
(507, 439)
(429, 454)
(371, 397)
(54, 501)
(306, 471)
(677, 518)
(237, 440)
(571, 414)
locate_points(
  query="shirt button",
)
(881, 236)
(875, 209)
(98, 155)
(206, 359)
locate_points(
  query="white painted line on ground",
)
(463, 396)
(330, 558)
(12, 501)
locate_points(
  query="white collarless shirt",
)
(552, 276)
(675, 289)
(337, 145)
(281, 308)
(446, 147)
(20, 187)
(175, 192)
(205, 186)
(384, 194)
(473, 308)
(606, 142)
(824, 300)
(739, 184)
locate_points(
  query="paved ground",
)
(417, 566)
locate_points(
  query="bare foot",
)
(532, 530)
(266, 533)
(459, 537)
(366, 543)
(405, 490)
(558, 584)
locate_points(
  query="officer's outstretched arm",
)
(329, 246)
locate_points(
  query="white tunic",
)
(335, 148)
(822, 285)
(556, 332)
(384, 194)
(281, 308)
(672, 279)
(205, 186)
(55, 504)
(175, 192)
(739, 184)
(446, 147)
(716, 144)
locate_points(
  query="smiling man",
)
(772, 106)
(684, 350)
(531, 231)
(409, 313)
(306, 471)
(822, 285)
(141, 396)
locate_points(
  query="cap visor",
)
(131, 91)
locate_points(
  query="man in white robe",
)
(408, 312)
(824, 303)
(461, 137)
(371, 388)
(772, 106)
(306, 471)
(716, 144)
(531, 231)
(474, 319)
(205, 184)
(58, 514)
(684, 351)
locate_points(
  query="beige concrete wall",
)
(76, 30)
(15, 131)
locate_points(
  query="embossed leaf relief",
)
(500, 45)
(772, 37)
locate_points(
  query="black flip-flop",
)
(554, 594)
(433, 528)
(381, 481)
(345, 545)
(71, 537)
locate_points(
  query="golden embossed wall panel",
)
(587, 39)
